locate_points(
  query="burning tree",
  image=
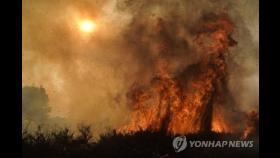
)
(195, 99)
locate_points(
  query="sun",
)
(87, 26)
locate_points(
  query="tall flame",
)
(192, 104)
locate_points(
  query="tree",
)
(35, 106)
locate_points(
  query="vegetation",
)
(65, 144)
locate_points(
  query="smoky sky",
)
(87, 78)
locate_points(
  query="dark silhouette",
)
(146, 144)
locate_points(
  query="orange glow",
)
(191, 106)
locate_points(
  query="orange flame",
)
(191, 105)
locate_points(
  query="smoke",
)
(83, 77)
(88, 79)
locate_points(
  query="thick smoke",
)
(88, 79)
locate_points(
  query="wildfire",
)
(187, 105)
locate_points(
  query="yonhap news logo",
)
(180, 143)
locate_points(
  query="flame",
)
(191, 105)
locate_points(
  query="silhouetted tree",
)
(35, 106)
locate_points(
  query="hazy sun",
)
(87, 26)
